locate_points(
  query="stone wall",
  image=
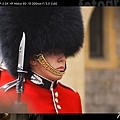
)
(103, 91)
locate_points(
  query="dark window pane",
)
(96, 33)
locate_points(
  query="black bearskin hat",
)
(45, 28)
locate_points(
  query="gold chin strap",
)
(43, 62)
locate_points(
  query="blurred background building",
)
(95, 72)
(102, 60)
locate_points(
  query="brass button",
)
(56, 94)
(59, 107)
(56, 100)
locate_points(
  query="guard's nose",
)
(62, 58)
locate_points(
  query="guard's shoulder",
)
(67, 86)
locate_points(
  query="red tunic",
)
(41, 100)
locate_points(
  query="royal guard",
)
(35, 43)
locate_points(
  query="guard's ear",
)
(33, 61)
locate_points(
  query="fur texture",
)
(46, 28)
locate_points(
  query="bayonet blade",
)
(21, 54)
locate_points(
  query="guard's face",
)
(56, 60)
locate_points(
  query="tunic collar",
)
(42, 81)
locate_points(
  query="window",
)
(96, 33)
(100, 40)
